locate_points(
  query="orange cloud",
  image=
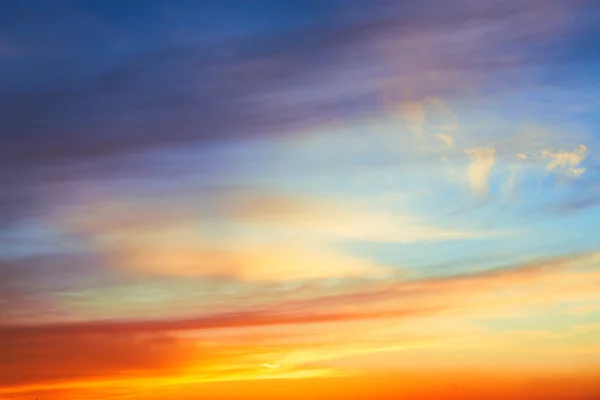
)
(251, 236)
(38, 355)
(305, 336)
(247, 262)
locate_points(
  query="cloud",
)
(268, 82)
(330, 220)
(513, 171)
(430, 118)
(563, 164)
(27, 282)
(563, 279)
(515, 168)
(164, 237)
(480, 168)
(394, 315)
(517, 149)
(246, 262)
(447, 125)
(566, 163)
(584, 308)
(531, 286)
(40, 357)
(447, 139)
(415, 116)
(248, 235)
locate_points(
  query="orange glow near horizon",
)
(440, 384)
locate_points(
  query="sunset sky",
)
(300, 199)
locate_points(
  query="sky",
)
(325, 199)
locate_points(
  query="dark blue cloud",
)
(98, 80)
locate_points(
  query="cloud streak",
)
(161, 347)
(293, 237)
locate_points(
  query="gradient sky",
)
(340, 199)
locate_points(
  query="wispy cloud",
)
(328, 219)
(292, 236)
(480, 168)
(565, 162)
(401, 306)
(244, 261)
(415, 116)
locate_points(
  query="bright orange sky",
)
(433, 384)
